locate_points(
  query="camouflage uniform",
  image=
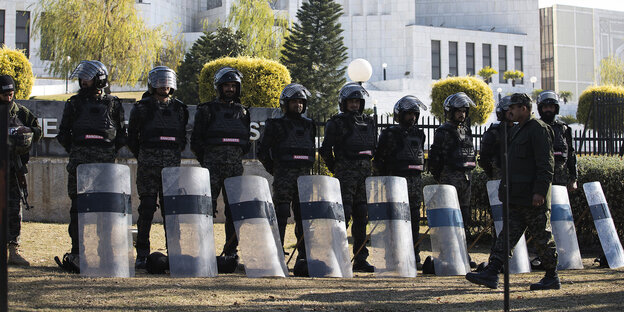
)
(531, 165)
(19, 115)
(153, 153)
(219, 145)
(83, 150)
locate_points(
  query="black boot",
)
(550, 281)
(489, 277)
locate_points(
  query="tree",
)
(15, 64)
(262, 30)
(106, 30)
(486, 73)
(210, 46)
(315, 54)
(513, 75)
(565, 96)
(611, 71)
(478, 91)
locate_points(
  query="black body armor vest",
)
(297, 140)
(227, 125)
(359, 137)
(560, 145)
(461, 155)
(409, 158)
(93, 123)
(163, 127)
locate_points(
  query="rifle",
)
(20, 174)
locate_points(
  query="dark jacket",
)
(288, 142)
(531, 161)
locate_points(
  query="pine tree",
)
(315, 53)
(222, 42)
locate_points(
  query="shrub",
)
(486, 73)
(587, 98)
(15, 64)
(513, 75)
(263, 80)
(476, 89)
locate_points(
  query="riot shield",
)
(324, 229)
(605, 227)
(392, 247)
(519, 262)
(448, 240)
(188, 222)
(105, 220)
(563, 229)
(256, 226)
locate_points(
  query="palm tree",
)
(565, 96)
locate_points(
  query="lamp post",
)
(384, 65)
(533, 79)
(499, 90)
(359, 70)
(67, 76)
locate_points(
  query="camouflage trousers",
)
(537, 221)
(285, 194)
(561, 176)
(461, 181)
(149, 187)
(415, 195)
(15, 211)
(352, 175)
(82, 155)
(219, 171)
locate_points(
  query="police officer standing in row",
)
(452, 154)
(490, 157)
(220, 139)
(92, 130)
(24, 131)
(565, 156)
(531, 166)
(400, 152)
(347, 149)
(156, 138)
(287, 151)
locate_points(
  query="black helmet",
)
(227, 74)
(162, 76)
(291, 92)
(352, 90)
(520, 98)
(547, 97)
(408, 103)
(6, 84)
(457, 100)
(502, 106)
(95, 70)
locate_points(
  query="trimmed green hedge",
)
(15, 64)
(263, 80)
(475, 88)
(587, 98)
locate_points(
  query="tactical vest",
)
(227, 125)
(359, 138)
(491, 144)
(409, 158)
(297, 140)
(560, 145)
(461, 153)
(163, 127)
(93, 123)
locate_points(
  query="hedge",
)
(263, 80)
(475, 88)
(587, 98)
(15, 64)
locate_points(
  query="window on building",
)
(435, 60)
(518, 62)
(470, 60)
(487, 55)
(453, 58)
(22, 31)
(1, 27)
(502, 63)
(214, 4)
(279, 4)
(547, 49)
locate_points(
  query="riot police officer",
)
(565, 156)
(24, 130)
(490, 155)
(347, 149)
(156, 138)
(400, 152)
(452, 155)
(220, 139)
(287, 151)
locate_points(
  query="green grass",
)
(64, 97)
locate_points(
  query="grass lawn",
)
(44, 287)
(64, 97)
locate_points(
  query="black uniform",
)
(565, 155)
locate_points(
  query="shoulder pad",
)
(446, 127)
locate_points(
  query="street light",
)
(67, 77)
(360, 70)
(499, 90)
(384, 65)
(533, 80)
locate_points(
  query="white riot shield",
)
(105, 220)
(188, 222)
(256, 226)
(519, 262)
(563, 230)
(392, 247)
(448, 240)
(605, 227)
(324, 228)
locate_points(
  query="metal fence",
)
(604, 126)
